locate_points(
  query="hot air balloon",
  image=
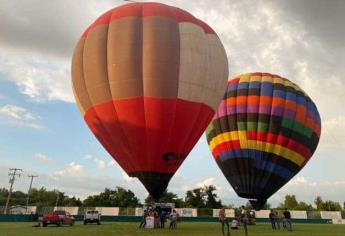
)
(148, 79)
(264, 132)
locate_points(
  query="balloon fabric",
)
(265, 130)
(147, 78)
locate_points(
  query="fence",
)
(201, 214)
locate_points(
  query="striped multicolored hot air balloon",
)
(264, 132)
(148, 78)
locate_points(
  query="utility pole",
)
(13, 173)
(57, 198)
(27, 199)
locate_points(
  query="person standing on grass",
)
(278, 219)
(162, 217)
(244, 219)
(273, 219)
(287, 219)
(143, 220)
(224, 221)
(173, 220)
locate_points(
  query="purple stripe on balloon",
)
(277, 111)
(289, 114)
(241, 108)
(265, 109)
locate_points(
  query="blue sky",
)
(43, 133)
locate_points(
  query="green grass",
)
(184, 228)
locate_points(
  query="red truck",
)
(58, 218)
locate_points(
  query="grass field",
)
(190, 229)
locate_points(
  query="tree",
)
(318, 202)
(211, 197)
(195, 198)
(119, 197)
(167, 197)
(290, 202)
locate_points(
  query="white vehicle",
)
(92, 217)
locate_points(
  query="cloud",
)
(38, 76)
(126, 178)
(333, 133)
(72, 170)
(43, 158)
(307, 190)
(100, 163)
(112, 163)
(88, 157)
(206, 182)
(19, 116)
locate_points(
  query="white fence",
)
(139, 211)
(330, 215)
(187, 212)
(299, 215)
(108, 211)
(294, 214)
(262, 214)
(228, 212)
(338, 221)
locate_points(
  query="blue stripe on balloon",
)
(259, 163)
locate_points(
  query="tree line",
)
(204, 197)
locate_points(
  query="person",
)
(244, 219)
(272, 217)
(223, 220)
(287, 219)
(156, 219)
(278, 219)
(162, 216)
(143, 220)
(173, 220)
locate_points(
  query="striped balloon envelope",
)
(148, 78)
(264, 132)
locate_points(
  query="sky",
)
(42, 131)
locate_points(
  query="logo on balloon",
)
(172, 158)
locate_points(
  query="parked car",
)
(92, 217)
(58, 218)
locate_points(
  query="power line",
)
(13, 173)
(28, 197)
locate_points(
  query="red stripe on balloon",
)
(223, 147)
(279, 140)
(143, 10)
(145, 128)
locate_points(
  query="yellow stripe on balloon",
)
(257, 145)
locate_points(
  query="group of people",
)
(160, 217)
(242, 219)
(275, 218)
(278, 219)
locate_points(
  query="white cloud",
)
(100, 163)
(206, 182)
(40, 77)
(19, 116)
(306, 190)
(333, 133)
(43, 158)
(126, 178)
(72, 170)
(88, 157)
(112, 163)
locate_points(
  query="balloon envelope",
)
(264, 132)
(148, 78)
